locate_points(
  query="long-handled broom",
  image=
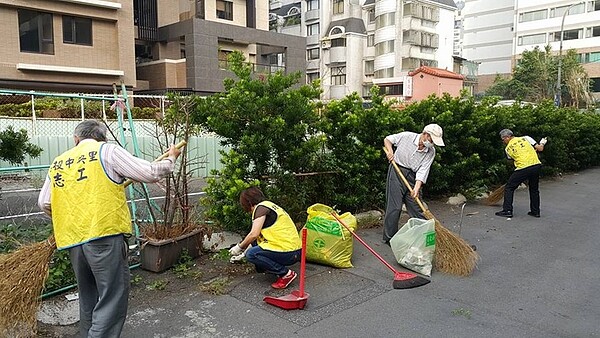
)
(452, 254)
(22, 276)
(402, 280)
(495, 196)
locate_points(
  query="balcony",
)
(419, 38)
(259, 68)
(420, 11)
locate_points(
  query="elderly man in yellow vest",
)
(523, 151)
(85, 196)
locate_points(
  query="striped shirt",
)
(118, 165)
(408, 155)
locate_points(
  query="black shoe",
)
(533, 214)
(504, 213)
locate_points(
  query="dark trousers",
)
(103, 280)
(398, 194)
(530, 174)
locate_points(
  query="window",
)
(593, 32)
(384, 20)
(384, 47)
(391, 89)
(588, 57)
(336, 30)
(559, 11)
(338, 6)
(383, 73)
(312, 29)
(77, 30)
(370, 40)
(571, 34)
(35, 32)
(312, 4)
(223, 58)
(225, 10)
(371, 15)
(531, 39)
(595, 84)
(310, 77)
(338, 76)
(369, 67)
(534, 15)
(339, 42)
(312, 54)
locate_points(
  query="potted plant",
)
(177, 226)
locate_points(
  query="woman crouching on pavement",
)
(274, 236)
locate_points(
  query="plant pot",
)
(51, 113)
(158, 256)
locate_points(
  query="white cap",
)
(436, 133)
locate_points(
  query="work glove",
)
(543, 141)
(236, 250)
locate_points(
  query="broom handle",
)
(363, 243)
(303, 263)
(405, 180)
(178, 146)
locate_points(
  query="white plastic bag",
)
(414, 245)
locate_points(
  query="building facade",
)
(487, 37)
(183, 45)
(150, 45)
(538, 23)
(67, 45)
(353, 44)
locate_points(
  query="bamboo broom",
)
(495, 196)
(22, 277)
(453, 254)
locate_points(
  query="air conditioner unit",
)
(325, 44)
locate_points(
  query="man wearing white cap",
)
(414, 155)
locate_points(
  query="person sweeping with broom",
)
(414, 155)
(523, 151)
(84, 194)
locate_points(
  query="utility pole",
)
(558, 95)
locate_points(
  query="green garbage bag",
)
(327, 241)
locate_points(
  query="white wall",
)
(445, 30)
(488, 34)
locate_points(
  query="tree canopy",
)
(535, 75)
(14, 145)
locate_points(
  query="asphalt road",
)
(538, 277)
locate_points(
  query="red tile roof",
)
(436, 72)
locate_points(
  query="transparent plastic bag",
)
(414, 245)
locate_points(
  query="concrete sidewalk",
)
(538, 277)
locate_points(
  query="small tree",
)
(14, 145)
(268, 123)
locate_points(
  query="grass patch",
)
(158, 284)
(217, 286)
(462, 312)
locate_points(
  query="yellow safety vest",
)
(86, 204)
(282, 236)
(520, 150)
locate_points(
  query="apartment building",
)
(487, 38)
(538, 23)
(150, 45)
(184, 44)
(66, 45)
(353, 44)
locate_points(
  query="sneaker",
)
(504, 213)
(533, 214)
(283, 282)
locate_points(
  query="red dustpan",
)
(297, 299)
